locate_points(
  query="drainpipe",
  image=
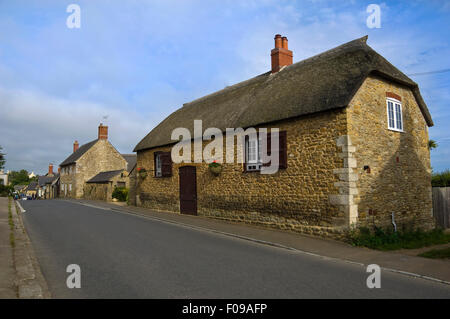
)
(393, 222)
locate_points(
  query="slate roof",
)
(131, 161)
(104, 177)
(32, 186)
(78, 153)
(42, 180)
(323, 82)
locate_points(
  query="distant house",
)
(89, 160)
(31, 189)
(44, 183)
(352, 147)
(3, 178)
(20, 189)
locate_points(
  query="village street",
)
(127, 256)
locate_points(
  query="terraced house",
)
(352, 147)
(87, 161)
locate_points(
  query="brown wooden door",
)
(188, 190)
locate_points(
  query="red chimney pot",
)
(102, 132)
(75, 146)
(281, 56)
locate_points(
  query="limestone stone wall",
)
(296, 198)
(132, 190)
(98, 191)
(103, 191)
(399, 178)
(68, 177)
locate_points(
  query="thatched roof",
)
(323, 82)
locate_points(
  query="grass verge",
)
(12, 240)
(388, 240)
(443, 253)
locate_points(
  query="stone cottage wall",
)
(67, 179)
(296, 198)
(132, 189)
(399, 180)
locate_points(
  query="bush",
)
(5, 190)
(389, 240)
(120, 193)
(441, 179)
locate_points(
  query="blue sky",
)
(138, 61)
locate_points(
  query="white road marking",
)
(20, 207)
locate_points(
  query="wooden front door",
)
(188, 190)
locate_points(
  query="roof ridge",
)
(362, 40)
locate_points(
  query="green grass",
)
(443, 253)
(12, 240)
(388, 240)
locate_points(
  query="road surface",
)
(127, 256)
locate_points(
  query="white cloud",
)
(36, 128)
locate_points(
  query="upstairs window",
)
(394, 113)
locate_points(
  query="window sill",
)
(396, 130)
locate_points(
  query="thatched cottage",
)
(352, 146)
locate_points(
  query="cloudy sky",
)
(138, 61)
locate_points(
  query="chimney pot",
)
(75, 146)
(102, 132)
(284, 41)
(278, 41)
(281, 56)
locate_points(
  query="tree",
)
(2, 158)
(432, 144)
(19, 177)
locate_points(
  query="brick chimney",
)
(102, 132)
(50, 169)
(281, 55)
(75, 146)
(59, 170)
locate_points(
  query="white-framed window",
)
(394, 114)
(253, 153)
(158, 166)
(70, 187)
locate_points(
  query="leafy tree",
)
(432, 144)
(19, 177)
(2, 158)
(5, 190)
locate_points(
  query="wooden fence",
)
(441, 206)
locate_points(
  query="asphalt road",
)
(127, 256)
